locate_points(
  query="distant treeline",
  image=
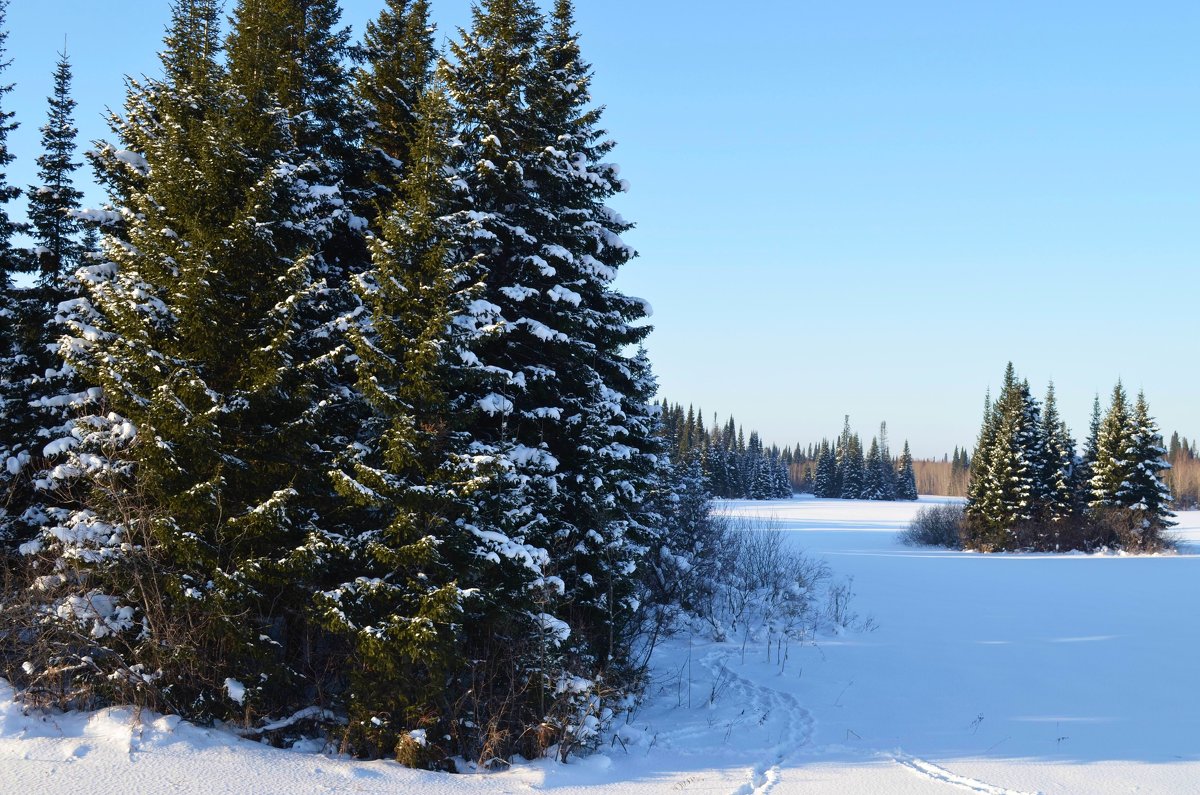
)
(845, 469)
(734, 465)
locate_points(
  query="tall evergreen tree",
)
(1005, 488)
(190, 542)
(906, 487)
(887, 471)
(1058, 464)
(1111, 466)
(872, 487)
(400, 57)
(16, 347)
(36, 380)
(1144, 491)
(408, 570)
(824, 479)
(54, 202)
(1087, 461)
(852, 469)
(571, 424)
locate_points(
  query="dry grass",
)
(940, 478)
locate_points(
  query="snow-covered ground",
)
(992, 674)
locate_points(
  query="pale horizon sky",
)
(862, 208)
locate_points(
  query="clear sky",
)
(855, 207)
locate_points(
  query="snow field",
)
(987, 674)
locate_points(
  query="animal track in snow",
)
(772, 707)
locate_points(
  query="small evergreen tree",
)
(852, 468)
(1144, 491)
(907, 480)
(1058, 474)
(1111, 466)
(825, 477)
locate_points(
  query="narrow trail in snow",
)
(773, 708)
(942, 775)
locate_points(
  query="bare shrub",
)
(1126, 529)
(936, 526)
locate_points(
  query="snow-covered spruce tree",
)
(887, 469)
(1082, 479)
(36, 379)
(17, 346)
(851, 467)
(293, 54)
(409, 563)
(1111, 466)
(399, 59)
(872, 487)
(1144, 491)
(1005, 485)
(1058, 474)
(572, 425)
(288, 60)
(180, 577)
(906, 481)
(606, 446)
(823, 481)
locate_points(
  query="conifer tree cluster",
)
(735, 466)
(843, 470)
(338, 420)
(1029, 488)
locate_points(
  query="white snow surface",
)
(987, 674)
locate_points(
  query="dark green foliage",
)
(54, 202)
(399, 57)
(824, 482)
(1028, 489)
(33, 376)
(1143, 491)
(1006, 471)
(403, 607)
(363, 422)
(193, 527)
(22, 318)
(906, 485)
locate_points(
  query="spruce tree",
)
(1058, 465)
(199, 431)
(399, 55)
(17, 347)
(906, 488)
(1005, 490)
(823, 480)
(54, 201)
(887, 471)
(409, 568)
(852, 469)
(1144, 491)
(1111, 466)
(36, 380)
(872, 487)
(570, 425)
(1085, 470)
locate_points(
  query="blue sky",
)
(855, 207)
